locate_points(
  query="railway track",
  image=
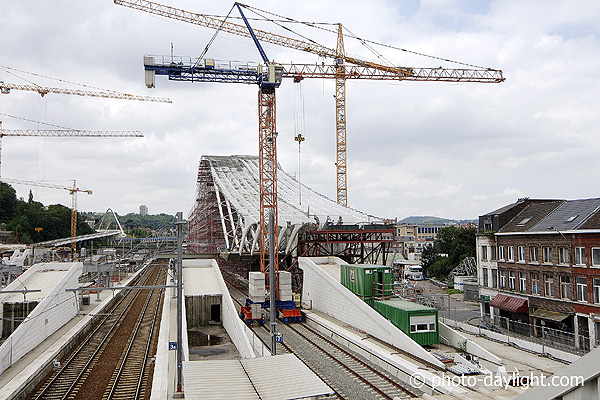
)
(112, 361)
(378, 384)
(361, 380)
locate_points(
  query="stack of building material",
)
(256, 286)
(285, 286)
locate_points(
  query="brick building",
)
(539, 268)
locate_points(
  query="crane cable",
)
(37, 122)
(212, 39)
(364, 41)
(6, 69)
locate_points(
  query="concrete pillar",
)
(576, 330)
(592, 329)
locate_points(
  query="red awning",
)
(510, 303)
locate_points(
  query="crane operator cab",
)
(273, 76)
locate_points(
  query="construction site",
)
(269, 289)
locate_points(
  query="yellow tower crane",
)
(73, 191)
(345, 67)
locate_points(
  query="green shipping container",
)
(416, 320)
(367, 280)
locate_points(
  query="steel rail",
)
(83, 346)
(290, 350)
(54, 382)
(353, 358)
(126, 357)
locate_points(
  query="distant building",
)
(412, 238)
(538, 265)
(143, 210)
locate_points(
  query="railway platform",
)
(231, 362)
(21, 374)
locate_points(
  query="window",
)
(580, 255)
(565, 287)
(493, 251)
(511, 280)
(563, 255)
(524, 221)
(500, 252)
(495, 278)
(502, 279)
(484, 255)
(521, 254)
(487, 224)
(596, 256)
(484, 277)
(535, 284)
(547, 254)
(549, 285)
(533, 253)
(596, 290)
(522, 282)
(422, 323)
(581, 288)
(510, 255)
(573, 218)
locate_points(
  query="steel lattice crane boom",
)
(5, 88)
(73, 190)
(360, 69)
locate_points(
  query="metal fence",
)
(556, 338)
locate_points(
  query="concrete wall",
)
(455, 339)
(535, 347)
(56, 309)
(232, 323)
(325, 294)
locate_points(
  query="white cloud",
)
(430, 148)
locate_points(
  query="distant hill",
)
(417, 220)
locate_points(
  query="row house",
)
(539, 267)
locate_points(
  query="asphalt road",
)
(458, 309)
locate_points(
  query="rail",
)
(72, 378)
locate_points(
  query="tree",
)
(8, 203)
(22, 217)
(453, 242)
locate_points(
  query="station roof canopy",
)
(238, 179)
(549, 315)
(267, 378)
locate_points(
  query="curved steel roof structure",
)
(227, 200)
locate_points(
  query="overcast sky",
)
(414, 148)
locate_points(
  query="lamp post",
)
(179, 224)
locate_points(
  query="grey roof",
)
(503, 209)
(569, 215)
(530, 216)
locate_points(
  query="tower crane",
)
(205, 70)
(73, 191)
(340, 71)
